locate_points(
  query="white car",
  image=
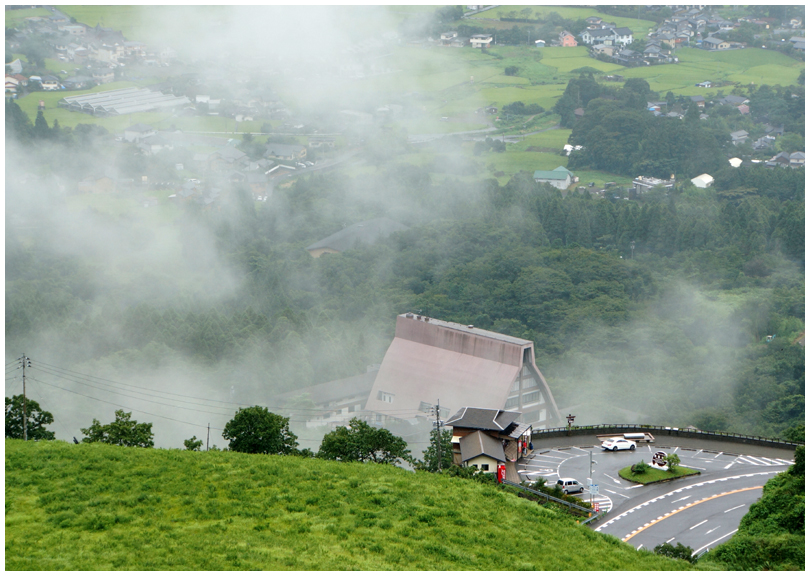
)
(618, 444)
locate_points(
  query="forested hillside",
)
(658, 309)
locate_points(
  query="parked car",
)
(569, 485)
(615, 444)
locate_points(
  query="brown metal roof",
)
(416, 373)
(478, 444)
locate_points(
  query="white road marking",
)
(729, 466)
(636, 486)
(679, 499)
(625, 513)
(697, 467)
(730, 509)
(617, 494)
(713, 541)
(670, 540)
(713, 529)
(718, 454)
(676, 449)
(612, 478)
(758, 461)
(698, 524)
(773, 461)
(788, 462)
(639, 546)
(747, 461)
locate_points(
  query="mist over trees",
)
(683, 306)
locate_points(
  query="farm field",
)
(100, 507)
(743, 66)
(15, 17)
(637, 26)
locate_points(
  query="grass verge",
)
(652, 476)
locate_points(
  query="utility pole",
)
(25, 360)
(590, 475)
(438, 437)
(207, 436)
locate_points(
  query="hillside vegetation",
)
(98, 507)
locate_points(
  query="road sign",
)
(594, 489)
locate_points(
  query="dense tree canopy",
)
(360, 442)
(121, 432)
(37, 419)
(256, 430)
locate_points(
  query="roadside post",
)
(570, 419)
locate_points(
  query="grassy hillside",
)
(98, 507)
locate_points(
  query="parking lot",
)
(699, 511)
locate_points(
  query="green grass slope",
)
(98, 507)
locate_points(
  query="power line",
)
(87, 376)
(52, 373)
(121, 406)
(135, 397)
(94, 380)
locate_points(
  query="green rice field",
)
(570, 12)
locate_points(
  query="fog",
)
(181, 316)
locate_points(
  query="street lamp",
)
(590, 475)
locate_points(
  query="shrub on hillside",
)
(677, 551)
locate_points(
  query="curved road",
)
(699, 511)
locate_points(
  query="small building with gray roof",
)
(367, 232)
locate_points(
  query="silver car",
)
(569, 485)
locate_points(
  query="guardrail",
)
(551, 498)
(595, 517)
(661, 431)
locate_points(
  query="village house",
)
(367, 232)
(294, 152)
(448, 37)
(712, 43)
(486, 437)
(703, 181)
(560, 177)
(739, 137)
(138, 132)
(481, 40)
(644, 184)
(567, 39)
(699, 100)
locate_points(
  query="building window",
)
(531, 397)
(516, 385)
(351, 408)
(511, 402)
(485, 467)
(385, 397)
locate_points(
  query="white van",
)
(569, 485)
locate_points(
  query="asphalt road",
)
(699, 511)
